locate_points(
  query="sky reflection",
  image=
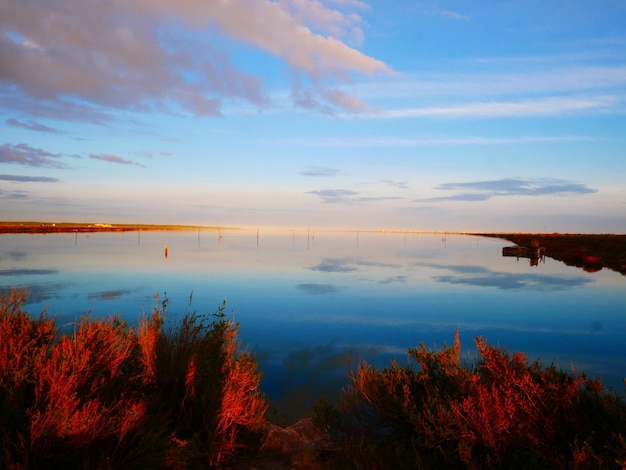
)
(311, 304)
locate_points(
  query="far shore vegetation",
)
(71, 227)
(181, 392)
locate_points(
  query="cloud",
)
(454, 15)
(160, 55)
(319, 171)
(332, 22)
(344, 100)
(24, 154)
(550, 106)
(485, 190)
(396, 184)
(17, 194)
(113, 159)
(29, 179)
(347, 196)
(60, 109)
(31, 126)
(336, 196)
(373, 141)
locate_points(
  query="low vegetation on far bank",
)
(183, 394)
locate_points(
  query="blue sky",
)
(409, 115)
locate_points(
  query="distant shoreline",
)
(71, 227)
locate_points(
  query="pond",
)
(311, 304)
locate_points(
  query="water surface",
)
(313, 303)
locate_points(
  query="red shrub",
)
(112, 396)
(502, 412)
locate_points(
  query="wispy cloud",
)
(347, 196)
(454, 15)
(107, 157)
(320, 171)
(31, 126)
(17, 194)
(336, 196)
(24, 154)
(390, 141)
(395, 184)
(502, 79)
(551, 106)
(484, 190)
(29, 179)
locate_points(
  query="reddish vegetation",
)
(500, 413)
(589, 252)
(109, 396)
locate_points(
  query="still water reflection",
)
(311, 304)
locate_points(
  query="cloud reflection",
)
(347, 265)
(305, 374)
(108, 294)
(39, 293)
(318, 289)
(483, 277)
(27, 272)
(334, 265)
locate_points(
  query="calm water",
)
(311, 304)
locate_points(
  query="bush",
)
(499, 413)
(112, 396)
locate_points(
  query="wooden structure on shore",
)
(534, 252)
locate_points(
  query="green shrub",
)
(107, 395)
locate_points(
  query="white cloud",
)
(551, 106)
(139, 54)
(391, 141)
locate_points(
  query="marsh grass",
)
(112, 396)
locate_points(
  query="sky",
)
(346, 114)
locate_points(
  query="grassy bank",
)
(589, 252)
(183, 394)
